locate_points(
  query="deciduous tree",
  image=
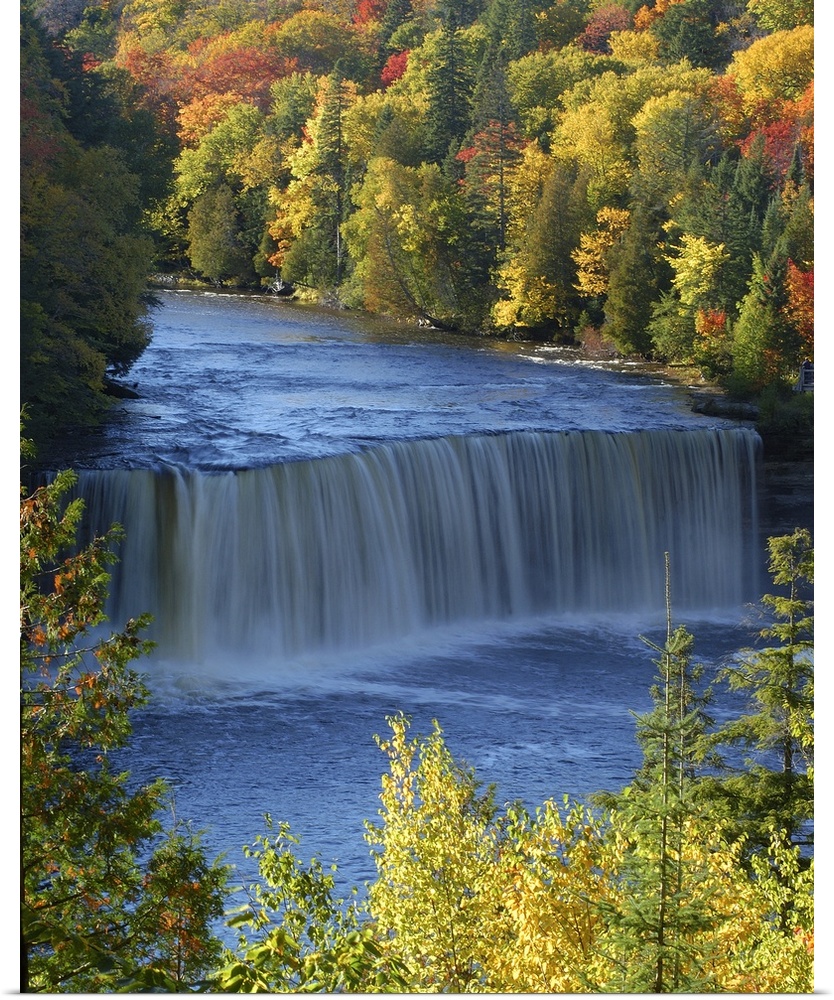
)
(103, 901)
(774, 69)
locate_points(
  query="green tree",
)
(636, 277)
(105, 897)
(397, 13)
(215, 244)
(316, 201)
(726, 204)
(655, 926)
(673, 132)
(765, 344)
(771, 790)
(538, 80)
(688, 31)
(450, 82)
(782, 15)
(315, 40)
(539, 277)
(512, 26)
(560, 23)
(295, 935)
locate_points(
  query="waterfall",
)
(342, 552)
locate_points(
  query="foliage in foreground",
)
(106, 893)
(659, 891)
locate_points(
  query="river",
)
(334, 519)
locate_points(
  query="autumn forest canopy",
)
(637, 176)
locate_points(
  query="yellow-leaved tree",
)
(473, 899)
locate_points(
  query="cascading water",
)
(342, 552)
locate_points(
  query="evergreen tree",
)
(539, 276)
(316, 202)
(771, 790)
(332, 157)
(766, 345)
(636, 279)
(710, 208)
(216, 247)
(397, 12)
(688, 31)
(654, 929)
(493, 151)
(512, 27)
(458, 13)
(449, 82)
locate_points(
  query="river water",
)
(335, 519)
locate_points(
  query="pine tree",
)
(655, 929)
(332, 153)
(772, 788)
(397, 12)
(316, 202)
(450, 85)
(512, 26)
(635, 281)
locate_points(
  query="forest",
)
(632, 178)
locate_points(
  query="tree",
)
(85, 255)
(295, 935)
(696, 265)
(800, 305)
(489, 165)
(539, 278)
(92, 913)
(449, 83)
(772, 790)
(215, 246)
(655, 926)
(591, 256)
(782, 15)
(672, 132)
(415, 248)
(688, 31)
(767, 346)
(316, 201)
(727, 206)
(316, 40)
(538, 80)
(511, 27)
(435, 862)
(598, 126)
(635, 281)
(774, 69)
(604, 20)
(561, 23)
(397, 13)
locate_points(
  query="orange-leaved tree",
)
(107, 898)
